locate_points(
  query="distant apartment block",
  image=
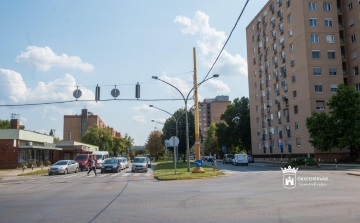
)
(75, 126)
(298, 52)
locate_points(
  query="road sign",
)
(174, 141)
(167, 143)
(198, 163)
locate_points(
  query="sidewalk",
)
(16, 172)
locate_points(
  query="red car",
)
(83, 160)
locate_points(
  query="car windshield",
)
(111, 161)
(121, 160)
(99, 157)
(148, 159)
(59, 163)
(139, 160)
(80, 158)
(230, 156)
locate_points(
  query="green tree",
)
(235, 133)
(169, 130)
(211, 141)
(100, 137)
(5, 124)
(341, 127)
(119, 146)
(128, 142)
(154, 144)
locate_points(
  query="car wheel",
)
(119, 170)
(77, 170)
(66, 171)
(102, 171)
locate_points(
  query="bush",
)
(47, 163)
(300, 161)
(24, 164)
(40, 164)
(32, 164)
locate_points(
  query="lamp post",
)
(186, 121)
(158, 122)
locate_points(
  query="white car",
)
(127, 165)
(122, 163)
(240, 159)
(64, 166)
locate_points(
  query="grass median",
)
(35, 173)
(165, 171)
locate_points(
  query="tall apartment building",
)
(210, 111)
(75, 126)
(298, 52)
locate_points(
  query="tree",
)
(341, 127)
(211, 141)
(169, 129)
(235, 132)
(5, 124)
(128, 142)
(118, 146)
(100, 137)
(154, 143)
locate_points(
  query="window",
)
(294, 94)
(332, 71)
(291, 47)
(288, 3)
(289, 18)
(292, 62)
(330, 38)
(257, 108)
(317, 71)
(296, 125)
(327, 6)
(257, 120)
(333, 88)
(356, 71)
(255, 85)
(354, 54)
(314, 38)
(328, 22)
(312, 6)
(352, 38)
(290, 32)
(331, 54)
(351, 22)
(320, 105)
(318, 88)
(298, 142)
(313, 22)
(293, 78)
(349, 6)
(255, 73)
(316, 54)
(357, 87)
(296, 109)
(256, 97)
(254, 61)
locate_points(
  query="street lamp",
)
(186, 121)
(158, 122)
(152, 106)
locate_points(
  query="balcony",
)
(287, 118)
(279, 121)
(277, 93)
(276, 65)
(282, 45)
(278, 106)
(263, 125)
(283, 60)
(269, 124)
(261, 87)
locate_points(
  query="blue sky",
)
(50, 47)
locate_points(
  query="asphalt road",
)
(253, 193)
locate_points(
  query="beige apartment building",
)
(298, 52)
(75, 126)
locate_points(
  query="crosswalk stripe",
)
(126, 174)
(136, 174)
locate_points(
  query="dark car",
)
(228, 158)
(111, 165)
(250, 158)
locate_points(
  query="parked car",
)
(64, 166)
(111, 165)
(240, 159)
(210, 159)
(206, 158)
(250, 158)
(148, 162)
(100, 156)
(122, 163)
(228, 158)
(139, 164)
(82, 160)
(126, 162)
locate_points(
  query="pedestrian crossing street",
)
(82, 175)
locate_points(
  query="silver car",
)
(64, 166)
(139, 164)
(126, 162)
(122, 163)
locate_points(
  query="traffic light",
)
(137, 90)
(97, 93)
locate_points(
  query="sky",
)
(51, 48)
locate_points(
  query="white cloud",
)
(139, 118)
(43, 58)
(142, 108)
(53, 119)
(22, 119)
(217, 86)
(182, 85)
(15, 89)
(210, 42)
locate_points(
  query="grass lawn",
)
(34, 173)
(165, 171)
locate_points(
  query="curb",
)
(354, 174)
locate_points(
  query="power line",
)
(227, 39)
(70, 101)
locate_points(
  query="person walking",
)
(214, 163)
(92, 163)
